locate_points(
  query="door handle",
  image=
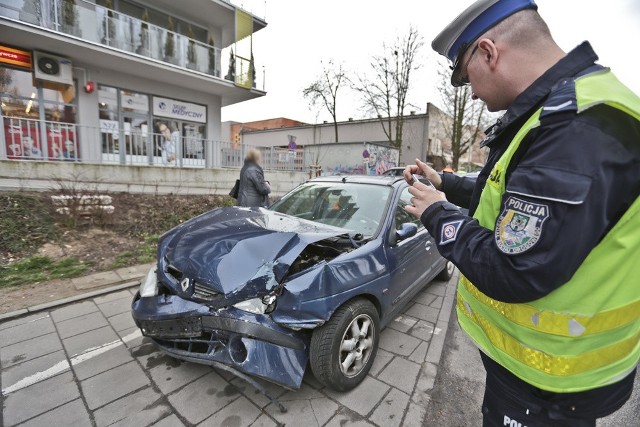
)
(428, 246)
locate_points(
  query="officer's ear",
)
(488, 52)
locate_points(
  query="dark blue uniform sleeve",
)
(458, 188)
(575, 181)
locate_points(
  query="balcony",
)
(101, 26)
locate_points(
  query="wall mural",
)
(375, 160)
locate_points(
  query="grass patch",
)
(39, 269)
(25, 223)
(143, 254)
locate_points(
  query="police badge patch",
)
(449, 232)
(519, 225)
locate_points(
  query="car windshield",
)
(357, 207)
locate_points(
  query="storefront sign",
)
(165, 107)
(15, 57)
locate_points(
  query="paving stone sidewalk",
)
(85, 287)
(85, 364)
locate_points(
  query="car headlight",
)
(262, 305)
(149, 287)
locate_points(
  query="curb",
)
(64, 301)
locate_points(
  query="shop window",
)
(109, 119)
(25, 108)
(108, 103)
(134, 102)
(64, 113)
(16, 83)
(24, 104)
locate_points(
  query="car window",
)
(403, 216)
(357, 207)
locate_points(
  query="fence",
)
(31, 139)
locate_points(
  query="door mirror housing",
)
(408, 229)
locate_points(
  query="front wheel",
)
(447, 272)
(342, 350)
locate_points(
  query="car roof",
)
(386, 180)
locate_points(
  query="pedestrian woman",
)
(254, 190)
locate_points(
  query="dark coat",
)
(254, 190)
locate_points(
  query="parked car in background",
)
(397, 171)
(310, 281)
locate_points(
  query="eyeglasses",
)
(464, 79)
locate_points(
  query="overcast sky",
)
(301, 33)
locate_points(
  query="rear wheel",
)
(447, 271)
(343, 349)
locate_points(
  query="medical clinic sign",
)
(165, 107)
(15, 57)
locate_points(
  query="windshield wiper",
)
(353, 238)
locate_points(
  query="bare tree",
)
(385, 92)
(325, 89)
(468, 116)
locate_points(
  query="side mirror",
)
(408, 229)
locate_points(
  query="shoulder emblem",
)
(519, 225)
(449, 232)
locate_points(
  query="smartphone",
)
(419, 178)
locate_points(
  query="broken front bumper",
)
(250, 343)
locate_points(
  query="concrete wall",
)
(415, 135)
(45, 176)
(425, 136)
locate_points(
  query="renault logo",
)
(185, 284)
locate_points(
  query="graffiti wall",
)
(353, 158)
(377, 158)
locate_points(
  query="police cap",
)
(476, 20)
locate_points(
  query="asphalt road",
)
(458, 391)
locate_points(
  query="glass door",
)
(137, 139)
(193, 142)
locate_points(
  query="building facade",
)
(424, 137)
(124, 82)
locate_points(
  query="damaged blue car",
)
(310, 281)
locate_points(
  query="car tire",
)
(447, 272)
(343, 367)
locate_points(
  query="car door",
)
(410, 260)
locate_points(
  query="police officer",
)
(550, 257)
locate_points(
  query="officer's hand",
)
(421, 168)
(423, 197)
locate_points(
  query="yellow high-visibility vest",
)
(586, 333)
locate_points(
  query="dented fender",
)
(310, 299)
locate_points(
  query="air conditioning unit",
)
(52, 68)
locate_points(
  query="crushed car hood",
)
(243, 251)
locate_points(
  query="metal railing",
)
(32, 139)
(28, 139)
(108, 27)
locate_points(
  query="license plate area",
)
(173, 328)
